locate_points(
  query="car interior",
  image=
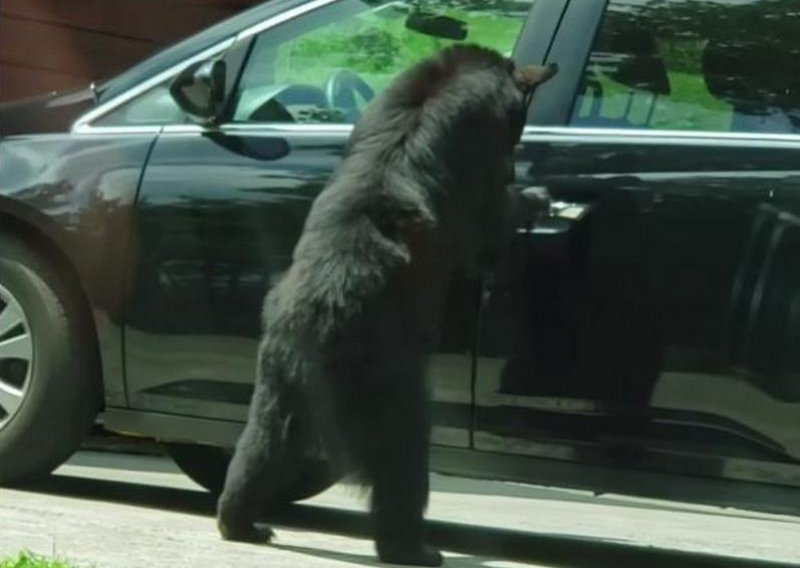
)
(747, 75)
(264, 96)
(751, 78)
(631, 59)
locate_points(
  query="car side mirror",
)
(199, 90)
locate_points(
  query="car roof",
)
(174, 54)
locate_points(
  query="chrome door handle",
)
(540, 203)
(538, 200)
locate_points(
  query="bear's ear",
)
(528, 77)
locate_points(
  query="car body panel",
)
(218, 217)
(635, 322)
(650, 322)
(643, 328)
(192, 337)
(51, 113)
(79, 193)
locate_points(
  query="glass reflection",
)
(714, 65)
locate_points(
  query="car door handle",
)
(537, 200)
(540, 201)
(543, 215)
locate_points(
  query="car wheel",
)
(207, 466)
(49, 394)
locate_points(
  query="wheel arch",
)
(42, 235)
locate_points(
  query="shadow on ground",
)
(549, 550)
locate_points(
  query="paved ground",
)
(120, 511)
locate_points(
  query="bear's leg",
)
(252, 473)
(399, 474)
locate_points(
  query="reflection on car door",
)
(650, 319)
(218, 218)
(219, 211)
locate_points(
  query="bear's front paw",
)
(244, 532)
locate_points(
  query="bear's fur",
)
(348, 329)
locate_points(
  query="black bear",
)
(347, 330)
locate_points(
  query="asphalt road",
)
(121, 511)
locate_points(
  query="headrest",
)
(630, 56)
(644, 73)
(742, 72)
(628, 39)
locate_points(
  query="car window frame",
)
(541, 23)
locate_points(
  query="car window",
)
(710, 65)
(153, 108)
(325, 67)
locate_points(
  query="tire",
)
(207, 466)
(49, 389)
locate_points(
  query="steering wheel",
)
(341, 89)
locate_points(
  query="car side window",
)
(156, 107)
(708, 65)
(326, 66)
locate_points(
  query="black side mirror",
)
(200, 90)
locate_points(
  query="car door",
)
(219, 210)
(651, 318)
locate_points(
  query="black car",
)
(639, 338)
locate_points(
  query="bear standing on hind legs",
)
(348, 329)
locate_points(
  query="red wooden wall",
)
(58, 44)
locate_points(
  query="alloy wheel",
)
(16, 356)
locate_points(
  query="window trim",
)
(266, 128)
(586, 135)
(531, 134)
(570, 49)
(535, 134)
